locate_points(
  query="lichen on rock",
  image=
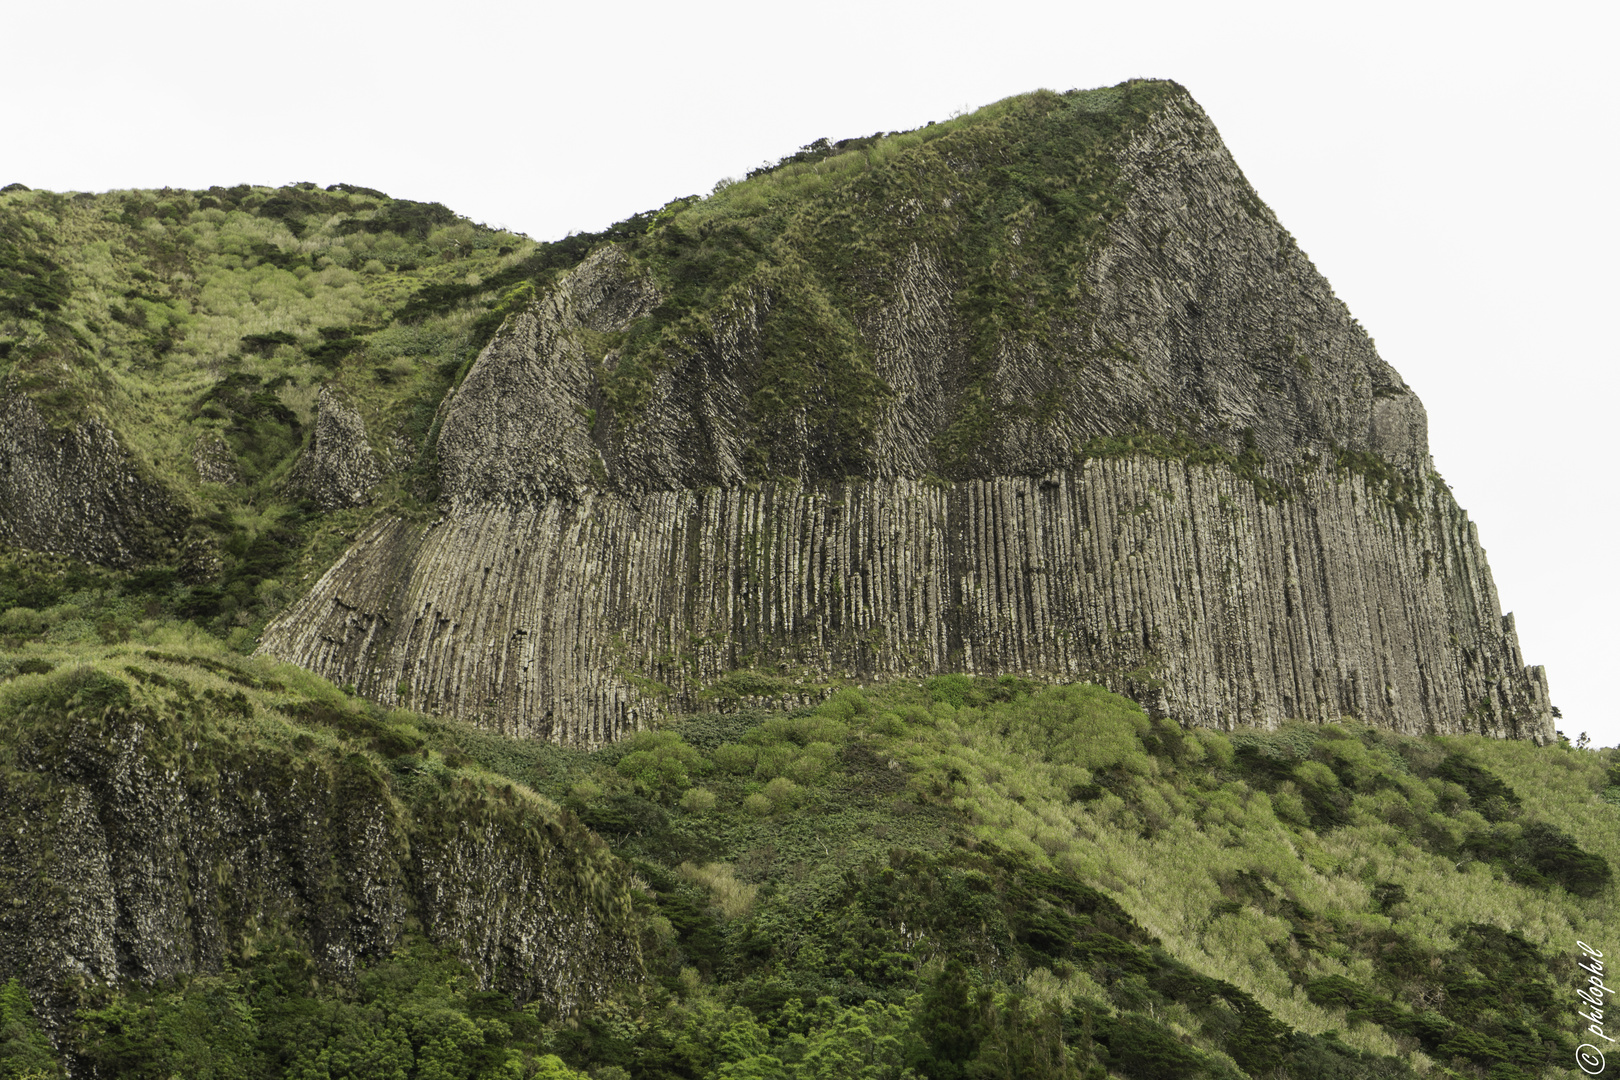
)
(214, 462)
(138, 843)
(76, 489)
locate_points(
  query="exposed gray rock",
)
(561, 620)
(593, 572)
(337, 469)
(214, 461)
(78, 490)
(519, 429)
(121, 859)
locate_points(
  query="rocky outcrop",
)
(77, 490)
(337, 469)
(129, 850)
(520, 426)
(576, 621)
(1198, 483)
(214, 462)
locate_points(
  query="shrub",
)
(660, 764)
(698, 801)
(732, 898)
(774, 760)
(1556, 856)
(808, 768)
(735, 758)
(783, 793)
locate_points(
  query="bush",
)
(660, 764)
(730, 897)
(736, 759)
(698, 801)
(784, 793)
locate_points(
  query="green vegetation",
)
(1392, 485)
(196, 319)
(25, 1052)
(1247, 465)
(201, 325)
(963, 878)
(1014, 197)
(414, 1014)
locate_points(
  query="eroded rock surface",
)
(78, 490)
(338, 469)
(214, 462)
(122, 860)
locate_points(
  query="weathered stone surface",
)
(77, 490)
(214, 462)
(337, 469)
(592, 572)
(554, 620)
(517, 428)
(122, 860)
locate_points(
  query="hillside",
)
(222, 863)
(1042, 390)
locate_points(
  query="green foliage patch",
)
(967, 877)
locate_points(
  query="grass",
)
(796, 240)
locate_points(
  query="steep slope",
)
(955, 876)
(169, 813)
(1045, 390)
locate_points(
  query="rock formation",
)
(1192, 478)
(338, 469)
(77, 490)
(132, 851)
(214, 462)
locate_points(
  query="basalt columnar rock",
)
(1052, 393)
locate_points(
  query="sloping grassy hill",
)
(960, 877)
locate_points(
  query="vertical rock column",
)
(580, 620)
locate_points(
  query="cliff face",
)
(1165, 458)
(141, 844)
(77, 490)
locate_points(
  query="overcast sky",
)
(1448, 168)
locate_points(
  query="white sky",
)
(1447, 167)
